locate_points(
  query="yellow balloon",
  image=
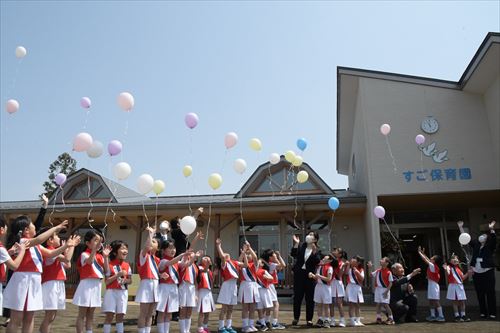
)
(290, 156)
(158, 186)
(297, 161)
(215, 181)
(187, 170)
(255, 144)
(302, 176)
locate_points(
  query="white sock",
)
(456, 313)
(433, 312)
(119, 328)
(161, 327)
(141, 330)
(188, 324)
(440, 311)
(244, 322)
(221, 324)
(268, 319)
(182, 326)
(275, 321)
(205, 325)
(391, 317)
(462, 313)
(89, 331)
(106, 328)
(229, 323)
(250, 322)
(166, 326)
(148, 329)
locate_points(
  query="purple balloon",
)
(191, 120)
(114, 147)
(379, 212)
(60, 179)
(419, 139)
(85, 102)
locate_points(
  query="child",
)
(248, 294)
(383, 283)
(147, 294)
(355, 277)
(169, 292)
(5, 259)
(205, 299)
(456, 292)
(338, 290)
(228, 294)
(23, 294)
(53, 277)
(264, 306)
(323, 290)
(433, 290)
(276, 264)
(118, 277)
(91, 267)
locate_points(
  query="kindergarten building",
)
(425, 189)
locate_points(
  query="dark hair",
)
(344, 255)
(115, 246)
(16, 229)
(174, 223)
(41, 231)
(330, 257)
(438, 260)
(316, 235)
(388, 261)
(360, 260)
(166, 243)
(2, 222)
(267, 254)
(91, 234)
(209, 268)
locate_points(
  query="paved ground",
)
(65, 322)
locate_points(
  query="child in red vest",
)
(354, 292)
(205, 299)
(338, 289)
(53, 279)
(433, 289)
(456, 291)
(276, 264)
(323, 290)
(264, 306)
(248, 294)
(383, 282)
(118, 277)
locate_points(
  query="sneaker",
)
(342, 322)
(465, 318)
(254, 329)
(230, 330)
(309, 323)
(493, 317)
(268, 324)
(222, 330)
(261, 327)
(278, 326)
(389, 322)
(246, 329)
(358, 324)
(379, 321)
(326, 323)
(332, 323)
(440, 319)
(295, 322)
(352, 322)
(458, 319)
(431, 318)
(319, 323)
(483, 316)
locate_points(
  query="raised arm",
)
(41, 214)
(68, 254)
(295, 248)
(461, 226)
(61, 249)
(14, 264)
(47, 234)
(252, 253)
(218, 245)
(199, 235)
(281, 262)
(148, 241)
(421, 252)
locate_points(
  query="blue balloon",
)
(333, 203)
(302, 144)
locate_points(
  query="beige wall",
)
(349, 234)
(492, 105)
(129, 236)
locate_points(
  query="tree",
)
(63, 164)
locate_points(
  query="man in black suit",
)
(307, 257)
(403, 299)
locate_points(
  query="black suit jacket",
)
(311, 263)
(399, 289)
(486, 252)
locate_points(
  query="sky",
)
(262, 69)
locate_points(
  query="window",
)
(261, 236)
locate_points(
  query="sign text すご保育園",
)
(437, 175)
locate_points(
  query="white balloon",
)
(145, 183)
(126, 101)
(20, 52)
(464, 238)
(122, 170)
(188, 225)
(96, 149)
(165, 225)
(240, 165)
(12, 106)
(274, 158)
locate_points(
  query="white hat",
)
(164, 225)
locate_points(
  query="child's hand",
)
(62, 226)
(421, 250)
(45, 201)
(492, 225)
(121, 273)
(199, 211)
(151, 230)
(26, 243)
(199, 235)
(164, 275)
(277, 253)
(73, 241)
(218, 241)
(295, 239)
(369, 264)
(460, 224)
(311, 275)
(106, 251)
(199, 253)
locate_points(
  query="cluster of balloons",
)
(94, 148)
(333, 203)
(146, 184)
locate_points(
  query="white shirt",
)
(307, 254)
(4, 255)
(478, 269)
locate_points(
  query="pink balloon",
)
(12, 106)
(230, 140)
(82, 142)
(420, 139)
(114, 147)
(385, 129)
(379, 212)
(191, 120)
(85, 102)
(60, 179)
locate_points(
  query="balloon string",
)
(241, 214)
(271, 186)
(397, 243)
(422, 164)
(390, 153)
(467, 255)
(53, 207)
(88, 195)
(144, 211)
(113, 192)
(86, 118)
(296, 204)
(209, 219)
(156, 211)
(330, 227)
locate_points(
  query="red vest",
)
(116, 266)
(336, 271)
(206, 279)
(263, 282)
(230, 270)
(53, 269)
(434, 276)
(248, 273)
(32, 260)
(273, 270)
(352, 278)
(93, 271)
(382, 277)
(149, 270)
(172, 271)
(190, 273)
(323, 271)
(3, 268)
(455, 276)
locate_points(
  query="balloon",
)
(302, 176)
(158, 186)
(187, 170)
(290, 156)
(464, 238)
(191, 120)
(95, 150)
(215, 181)
(297, 161)
(85, 102)
(240, 165)
(82, 142)
(420, 139)
(60, 179)
(11, 106)
(122, 170)
(145, 183)
(379, 212)
(255, 144)
(126, 101)
(274, 158)
(333, 203)
(164, 225)
(114, 147)
(20, 52)
(188, 225)
(385, 129)
(230, 140)
(302, 144)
